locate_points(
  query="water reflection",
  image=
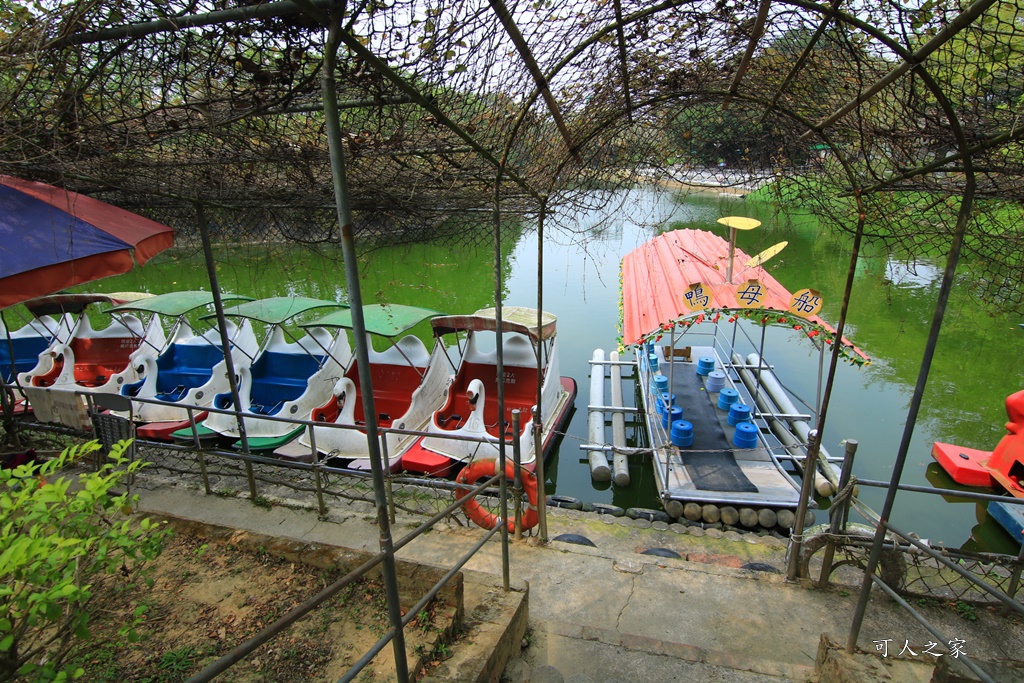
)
(912, 273)
(976, 364)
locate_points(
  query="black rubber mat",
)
(717, 472)
(707, 461)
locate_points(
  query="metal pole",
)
(542, 496)
(317, 478)
(7, 400)
(517, 484)
(915, 406)
(388, 492)
(760, 361)
(806, 487)
(199, 453)
(320, 505)
(732, 254)
(838, 521)
(499, 339)
(538, 431)
(963, 659)
(844, 479)
(229, 361)
(341, 195)
(1011, 590)
(814, 438)
(821, 374)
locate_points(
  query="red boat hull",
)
(965, 465)
(161, 431)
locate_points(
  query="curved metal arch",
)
(911, 60)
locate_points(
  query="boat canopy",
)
(56, 304)
(513, 319)
(278, 309)
(385, 320)
(175, 303)
(658, 276)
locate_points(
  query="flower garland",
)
(814, 331)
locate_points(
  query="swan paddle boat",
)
(471, 402)
(290, 376)
(88, 359)
(20, 348)
(190, 369)
(408, 386)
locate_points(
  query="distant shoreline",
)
(737, 191)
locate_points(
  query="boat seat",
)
(188, 359)
(48, 378)
(393, 386)
(260, 409)
(279, 377)
(97, 358)
(26, 354)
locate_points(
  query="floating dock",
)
(725, 464)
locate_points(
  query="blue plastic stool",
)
(682, 433)
(671, 415)
(727, 397)
(745, 436)
(739, 412)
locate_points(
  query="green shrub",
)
(57, 542)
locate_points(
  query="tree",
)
(57, 543)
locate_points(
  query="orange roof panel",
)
(657, 275)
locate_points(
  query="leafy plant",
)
(57, 541)
(966, 610)
(178, 663)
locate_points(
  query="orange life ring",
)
(485, 469)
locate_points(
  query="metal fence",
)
(265, 479)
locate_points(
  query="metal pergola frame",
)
(910, 63)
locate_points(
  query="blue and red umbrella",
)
(51, 239)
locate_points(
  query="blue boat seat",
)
(278, 378)
(185, 367)
(26, 354)
(180, 368)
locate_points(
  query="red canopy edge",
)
(450, 324)
(124, 225)
(656, 275)
(18, 288)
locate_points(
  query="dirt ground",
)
(208, 596)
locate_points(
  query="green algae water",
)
(977, 362)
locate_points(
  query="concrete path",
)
(609, 612)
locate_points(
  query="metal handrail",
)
(931, 629)
(245, 648)
(299, 611)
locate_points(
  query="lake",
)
(977, 362)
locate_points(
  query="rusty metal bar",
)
(341, 197)
(931, 629)
(509, 24)
(414, 610)
(229, 361)
(939, 314)
(405, 540)
(755, 36)
(961, 21)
